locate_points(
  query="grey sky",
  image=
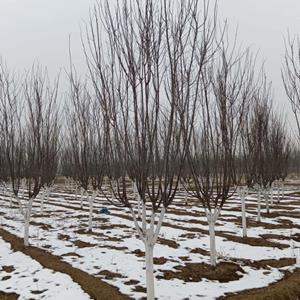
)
(262, 24)
(38, 30)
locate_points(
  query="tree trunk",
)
(212, 238)
(48, 193)
(81, 197)
(138, 198)
(242, 194)
(91, 202)
(149, 271)
(244, 218)
(266, 196)
(282, 190)
(139, 205)
(212, 217)
(23, 191)
(272, 195)
(42, 201)
(149, 237)
(26, 230)
(27, 215)
(76, 190)
(258, 205)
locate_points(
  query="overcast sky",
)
(38, 30)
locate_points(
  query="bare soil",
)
(195, 272)
(9, 296)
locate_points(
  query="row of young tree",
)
(170, 103)
(29, 137)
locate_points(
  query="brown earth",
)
(8, 269)
(109, 275)
(194, 272)
(8, 296)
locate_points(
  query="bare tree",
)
(11, 125)
(227, 88)
(4, 174)
(86, 140)
(51, 144)
(294, 160)
(30, 121)
(41, 136)
(279, 154)
(256, 142)
(291, 79)
(291, 75)
(141, 62)
(79, 132)
(267, 147)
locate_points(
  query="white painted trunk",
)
(27, 215)
(282, 190)
(149, 237)
(144, 221)
(91, 203)
(26, 231)
(42, 202)
(259, 206)
(76, 190)
(138, 197)
(139, 205)
(244, 218)
(266, 196)
(20, 205)
(212, 217)
(81, 198)
(212, 239)
(149, 272)
(242, 191)
(272, 195)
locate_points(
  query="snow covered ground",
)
(114, 253)
(26, 277)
